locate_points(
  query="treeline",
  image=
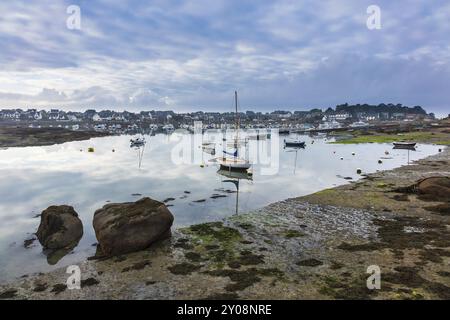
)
(390, 108)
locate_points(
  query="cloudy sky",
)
(192, 55)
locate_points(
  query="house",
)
(53, 114)
(33, 114)
(337, 116)
(398, 116)
(368, 116)
(329, 125)
(100, 127)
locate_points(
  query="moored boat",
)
(294, 143)
(404, 144)
(234, 162)
(138, 142)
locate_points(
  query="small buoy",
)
(358, 171)
(353, 153)
(202, 166)
(342, 158)
(379, 161)
(113, 150)
(386, 152)
(440, 150)
(91, 149)
(81, 150)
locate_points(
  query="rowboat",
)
(294, 143)
(404, 144)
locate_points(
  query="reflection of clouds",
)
(34, 178)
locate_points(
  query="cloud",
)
(190, 54)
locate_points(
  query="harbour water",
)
(33, 178)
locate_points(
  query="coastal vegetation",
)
(432, 136)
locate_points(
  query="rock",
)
(28, 242)
(58, 288)
(132, 226)
(89, 282)
(310, 263)
(60, 227)
(40, 287)
(435, 188)
(8, 294)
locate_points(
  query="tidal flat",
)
(313, 247)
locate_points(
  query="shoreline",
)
(312, 247)
(11, 137)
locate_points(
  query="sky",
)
(192, 55)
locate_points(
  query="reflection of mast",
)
(140, 154)
(235, 179)
(408, 148)
(296, 152)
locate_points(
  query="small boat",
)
(284, 131)
(209, 148)
(406, 145)
(234, 164)
(294, 143)
(138, 142)
(168, 128)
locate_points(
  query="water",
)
(33, 178)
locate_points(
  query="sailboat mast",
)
(236, 105)
(237, 120)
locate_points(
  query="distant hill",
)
(390, 108)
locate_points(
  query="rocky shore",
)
(25, 137)
(313, 247)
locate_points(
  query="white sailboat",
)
(234, 162)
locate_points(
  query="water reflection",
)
(33, 178)
(294, 149)
(408, 148)
(234, 177)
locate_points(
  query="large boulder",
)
(434, 188)
(131, 226)
(60, 227)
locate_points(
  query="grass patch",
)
(434, 137)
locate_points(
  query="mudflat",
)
(24, 137)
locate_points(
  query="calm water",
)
(34, 178)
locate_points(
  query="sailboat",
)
(137, 142)
(234, 162)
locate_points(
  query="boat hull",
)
(234, 164)
(295, 144)
(404, 144)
